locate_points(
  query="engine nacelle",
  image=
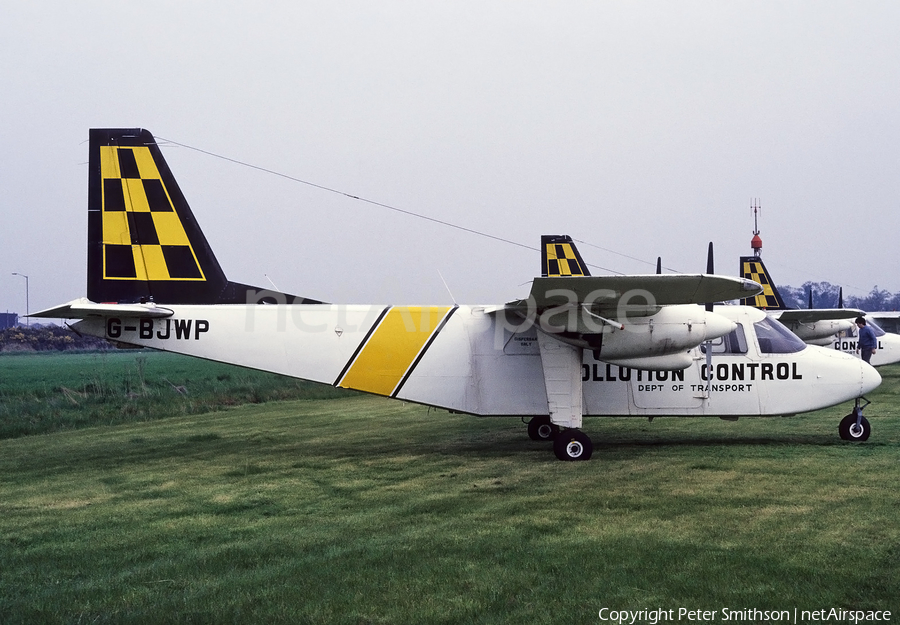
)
(670, 362)
(814, 331)
(669, 331)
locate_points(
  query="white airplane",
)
(578, 345)
(832, 327)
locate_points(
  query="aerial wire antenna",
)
(394, 208)
(447, 287)
(351, 196)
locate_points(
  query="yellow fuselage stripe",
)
(392, 348)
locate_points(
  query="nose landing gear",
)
(855, 427)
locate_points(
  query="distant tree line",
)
(47, 338)
(826, 295)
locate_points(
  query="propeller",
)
(710, 269)
(659, 265)
(841, 297)
(810, 300)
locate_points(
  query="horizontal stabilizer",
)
(84, 308)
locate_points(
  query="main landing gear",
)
(855, 427)
(573, 445)
(540, 428)
(568, 444)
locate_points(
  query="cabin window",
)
(734, 342)
(774, 338)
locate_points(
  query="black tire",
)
(572, 445)
(542, 429)
(850, 432)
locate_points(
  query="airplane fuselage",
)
(468, 359)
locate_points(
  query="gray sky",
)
(640, 127)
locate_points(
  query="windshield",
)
(774, 338)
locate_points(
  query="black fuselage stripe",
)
(423, 350)
(360, 346)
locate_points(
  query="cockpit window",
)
(774, 338)
(853, 333)
(733, 343)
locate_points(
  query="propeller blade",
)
(710, 269)
(810, 300)
(659, 264)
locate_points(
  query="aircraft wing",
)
(811, 315)
(662, 289)
(84, 308)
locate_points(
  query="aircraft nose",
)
(871, 379)
(718, 325)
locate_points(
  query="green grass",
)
(365, 510)
(50, 391)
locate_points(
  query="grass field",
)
(364, 510)
(50, 391)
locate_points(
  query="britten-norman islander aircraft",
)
(578, 345)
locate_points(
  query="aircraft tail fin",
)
(144, 243)
(753, 268)
(560, 257)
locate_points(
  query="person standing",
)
(866, 341)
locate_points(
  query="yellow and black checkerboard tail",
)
(144, 243)
(753, 268)
(560, 257)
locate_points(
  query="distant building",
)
(8, 320)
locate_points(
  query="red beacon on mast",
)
(755, 242)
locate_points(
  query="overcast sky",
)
(641, 128)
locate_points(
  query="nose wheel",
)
(855, 427)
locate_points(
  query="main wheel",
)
(849, 431)
(573, 445)
(542, 429)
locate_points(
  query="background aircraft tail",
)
(753, 268)
(560, 257)
(144, 243)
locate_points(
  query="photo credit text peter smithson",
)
(730, 615)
